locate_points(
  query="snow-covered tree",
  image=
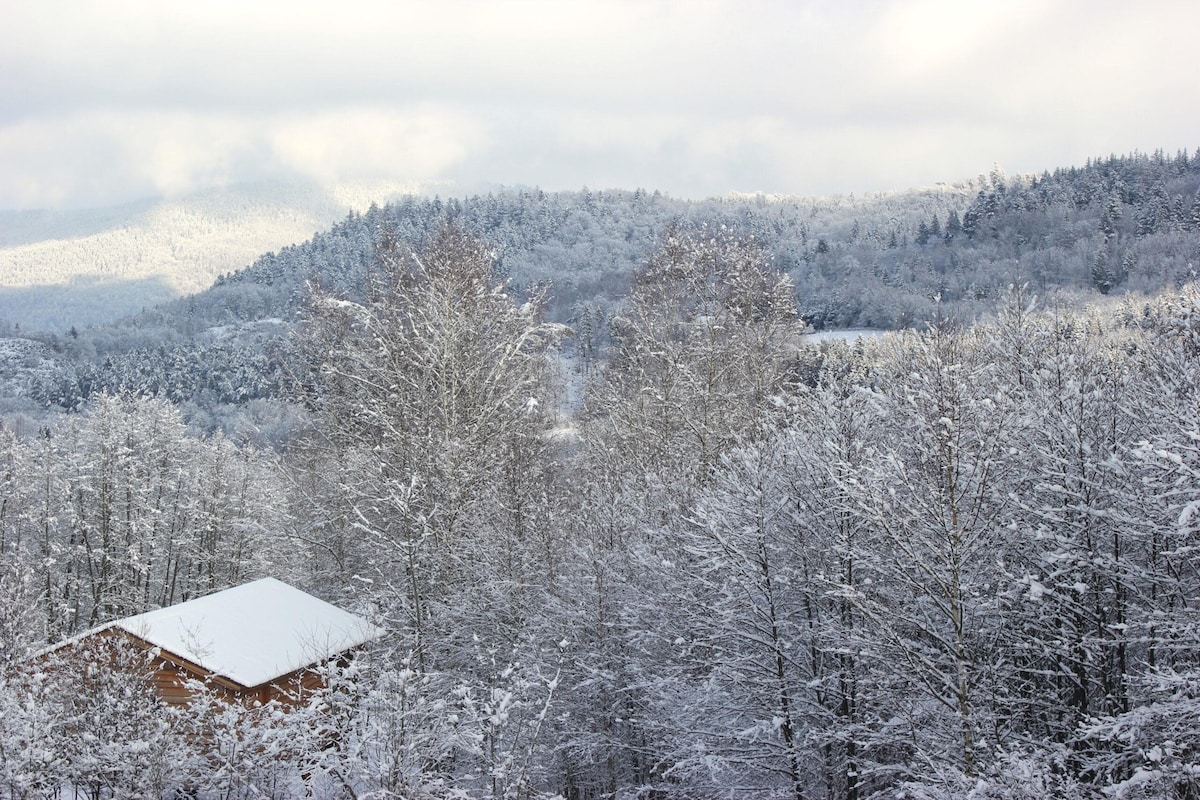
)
(438, 389)
(937, 499)
(702, 348)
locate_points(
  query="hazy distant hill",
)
(75, 268)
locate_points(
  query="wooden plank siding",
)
(235, 642)
(170, 675)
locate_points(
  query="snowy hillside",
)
(59, 269)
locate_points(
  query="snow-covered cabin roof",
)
(253, 633)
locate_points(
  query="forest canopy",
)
(665, 547)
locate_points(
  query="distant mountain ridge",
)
(60, 269)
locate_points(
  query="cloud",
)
(100, 102)
(336, 146)
(83, 158)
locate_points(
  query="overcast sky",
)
(102, 102)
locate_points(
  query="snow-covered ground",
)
(850, 335)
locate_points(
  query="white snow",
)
(253, 633)
(849, 336)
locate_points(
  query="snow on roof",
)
(253, 633)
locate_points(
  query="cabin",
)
(254, 643)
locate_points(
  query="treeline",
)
(1123, 223)
(949, 563)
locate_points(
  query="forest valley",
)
(697, 556)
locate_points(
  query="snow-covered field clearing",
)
(849, 336)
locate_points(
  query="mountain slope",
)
(1129, 223)
(78, 268)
